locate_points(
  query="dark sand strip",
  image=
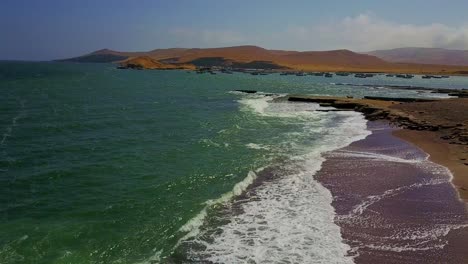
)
(394, 205)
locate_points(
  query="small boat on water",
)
(390, 75)
(360, 75)
(434, 77)
(328, 75)
(342, 73)
(405, 76)
(226, 71)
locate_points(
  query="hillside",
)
(145, 62)
(424, 56)
(242, 55)
(257, 57)
(333, 58)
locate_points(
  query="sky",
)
(54, 29)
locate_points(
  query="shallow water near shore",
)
(100, 165)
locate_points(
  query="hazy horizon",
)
(54, 29)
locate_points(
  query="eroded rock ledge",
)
(449, 117)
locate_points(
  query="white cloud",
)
(367, 32)
(364, 32)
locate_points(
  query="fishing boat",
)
(359, 75)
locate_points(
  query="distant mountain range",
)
(424, 56)
(260, 58)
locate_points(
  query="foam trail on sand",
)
(370, 200)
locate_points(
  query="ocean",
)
(100, 165)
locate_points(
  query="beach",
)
(438, 126)
(393, 204)
(447, 145)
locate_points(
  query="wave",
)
(192, 227)
(289, 217)
(257, 146)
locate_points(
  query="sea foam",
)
(288, 219)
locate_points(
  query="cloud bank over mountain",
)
(363, 32)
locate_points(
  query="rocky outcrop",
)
(446, 116)
(397, 99)
(247, 91)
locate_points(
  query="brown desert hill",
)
(116, 53)
(337, 58)
(239, 53)
(145, 62)
(253, 53)
(257, 57)
(424, 56)
(166, 53)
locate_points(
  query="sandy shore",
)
(449, 155)
(448, 144)
(392, 204)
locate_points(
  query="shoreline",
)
(392, 202)
(440, 153)
(437, 126)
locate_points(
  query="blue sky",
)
(51, 29)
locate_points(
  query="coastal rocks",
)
(463, 137)
(246, 91)
(131, 66)
(398, 99)
(318, 100)
(447, 117)
(461, 94)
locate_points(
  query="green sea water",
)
(99, 165)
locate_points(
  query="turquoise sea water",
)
(99, 165)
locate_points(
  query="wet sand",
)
(448, 145)
(452, 156)
(394, 205)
